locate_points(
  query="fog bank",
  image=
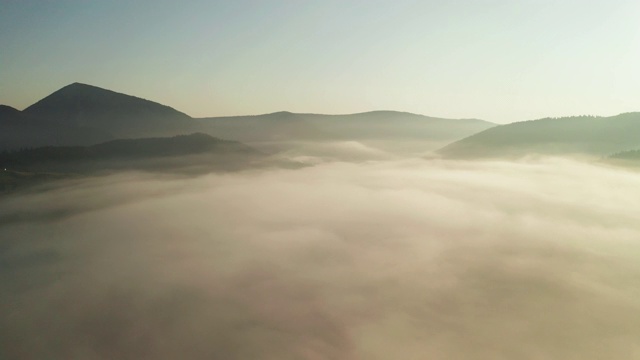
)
(392, 259)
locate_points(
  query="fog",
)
(386, 259)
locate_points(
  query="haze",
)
(497, 60)
(320, 180)
(398, 259)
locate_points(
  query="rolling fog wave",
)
(407, 259)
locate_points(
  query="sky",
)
(496, 60)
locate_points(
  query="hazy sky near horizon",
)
(497, 60)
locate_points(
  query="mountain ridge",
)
(61, 118)
(127, 150)
(83, 114)
(589, 135)
(372, 125)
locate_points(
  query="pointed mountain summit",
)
(123, 116)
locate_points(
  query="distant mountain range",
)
(80, 114)
(375, 125)
(585, 135)
(83, 115)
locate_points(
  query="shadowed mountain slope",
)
(181, 145)
(183, 154)
(586, 135)
(268, 127)
(123, 116)
(19, 130)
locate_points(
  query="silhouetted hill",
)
(397, 125)
(7, 113)
(128, 148)
(129, 153)
(388, 125)
(19, 130)
(571, 135)
(123, 116)
(80, 114)
(268, 127)
(174, 146)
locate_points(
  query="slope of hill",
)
(123, 116)
(588, 135)
(9, 114)
(19, 130)
(397, 125)
(268, 127)
(148, 153)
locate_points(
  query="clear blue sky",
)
(499, 60)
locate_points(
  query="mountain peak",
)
(79, 85)
(122, 115)
(78, 89)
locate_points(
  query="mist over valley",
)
(369, 246)
(320, 180)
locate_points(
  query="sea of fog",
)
(386, 259)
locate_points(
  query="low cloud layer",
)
(410, 259)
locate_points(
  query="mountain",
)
(183, 154)
(123, 116)
(9, 114)
(583, 135)
(375, 125)
(256, 128)
(19, 130)
(80, 114)
(146, 153)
